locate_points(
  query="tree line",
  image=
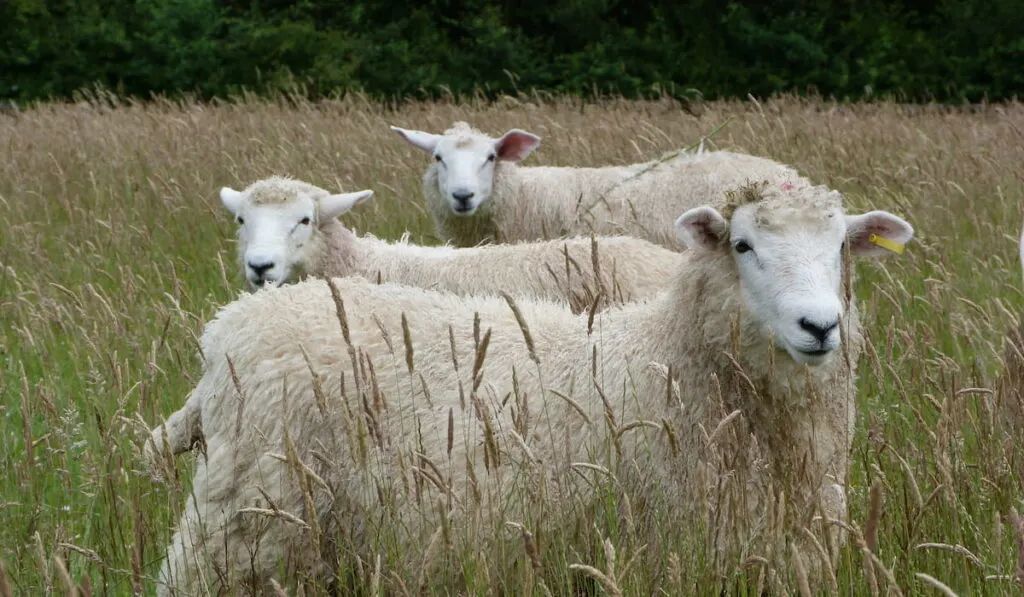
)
(939, 50)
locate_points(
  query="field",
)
(115, 250)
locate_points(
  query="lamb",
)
(476, 192)
(369, 410)
(288, 231)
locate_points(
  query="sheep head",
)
(788, 247)
(465, 161)
(281, 225)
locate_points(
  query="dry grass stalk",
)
(428, 555)
(800, 570)
(608, 578)
(529, 545)
(875, 502)
(522, 325)
(70, 590)
(375, 576)
(936, 583)
(318, 386)
(276, 513)
(40, 553)
(958, 549)
(894, 587)
(1018, 530)
(278, 589)
(478, 360)
(826, 561)
(26, 418)
(88, 553)
(407, 337)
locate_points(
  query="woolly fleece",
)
(541, 202)
(387, 432)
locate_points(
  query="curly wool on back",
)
(509, 417)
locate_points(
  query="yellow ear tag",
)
(886, 244)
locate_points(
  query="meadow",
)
(115, 249)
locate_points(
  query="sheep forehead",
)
(809, 211)
(780, 193)
(463, 136)
(281, 191)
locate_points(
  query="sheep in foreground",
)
(477, 192)
(288, 230)
(365, 412)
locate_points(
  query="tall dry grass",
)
(115, 250)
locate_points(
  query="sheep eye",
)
(240, 220)
(742, 247)
(491, 157)
(438, 158)
(304, 221)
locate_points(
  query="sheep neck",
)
(336, 254)
(800, 418)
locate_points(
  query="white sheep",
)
(477, 192)
(288, 230)
(353, 412)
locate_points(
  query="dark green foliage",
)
(950, 50)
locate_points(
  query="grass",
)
(115, 250)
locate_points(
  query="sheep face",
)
(278, 232)
(465, 161)
(789, 257)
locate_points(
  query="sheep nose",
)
(260, 268)
(819, 332)
(463, 196)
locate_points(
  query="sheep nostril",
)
(260, 268)
(463, 196)
(819, 332)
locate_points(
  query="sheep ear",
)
(231, 199)
(333, 206)
(877, 233)
(516, 145)
(702, 228)
(425, 141)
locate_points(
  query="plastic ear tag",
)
(885, 243)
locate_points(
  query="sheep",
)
(288, 230)
(363, 411)
(476, 192)
(1010, 384)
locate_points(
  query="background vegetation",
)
(945, 50)
(116, 250)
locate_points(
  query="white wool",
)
(400, 411)
(564, 269)
(510, 203)
(561, 270)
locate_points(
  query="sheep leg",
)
(181, 569)
(196, 561)
(181, 430)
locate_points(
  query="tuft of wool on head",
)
(781, 199)
(464, 134)
(281, 189)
